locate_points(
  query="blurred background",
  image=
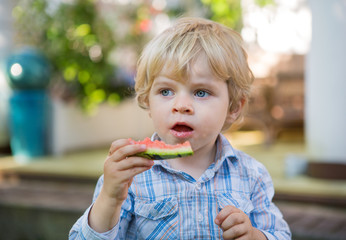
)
(66, 92)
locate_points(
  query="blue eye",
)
(201, 94)
(166, 92)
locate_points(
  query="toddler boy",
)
(194, 81)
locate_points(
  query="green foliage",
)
(227, 12)
(31, 20)
(263, 3)
(77, 42)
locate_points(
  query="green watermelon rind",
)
(160, 155)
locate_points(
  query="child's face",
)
(193, 110)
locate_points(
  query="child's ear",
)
(233, 114)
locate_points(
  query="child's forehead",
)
(198, 66)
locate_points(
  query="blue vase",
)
(28, 68)
(28, 119)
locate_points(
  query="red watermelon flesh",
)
(158, 150)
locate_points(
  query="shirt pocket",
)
(156, 219)
(240, 201)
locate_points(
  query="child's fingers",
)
(133, 162)
(132, 172)
(232, 220)
(235, 232)
(224, 213)
(122, 151)
(117, 144)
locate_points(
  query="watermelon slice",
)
(158, 150)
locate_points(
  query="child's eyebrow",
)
(205, 85)
(163, 80)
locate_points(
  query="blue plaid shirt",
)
(164, 203)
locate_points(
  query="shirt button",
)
(198, 186)
(154, 212)
(200, 217)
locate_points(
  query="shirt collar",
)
(224, 150)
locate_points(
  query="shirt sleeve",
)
(266, 216)
(81, 229)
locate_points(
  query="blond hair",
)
(180, 45)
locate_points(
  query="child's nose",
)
(183, 105)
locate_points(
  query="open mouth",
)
(182, 128)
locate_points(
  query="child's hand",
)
(236, 225)
(119, 168)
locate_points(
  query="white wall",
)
(73, 130)
(326, 82)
